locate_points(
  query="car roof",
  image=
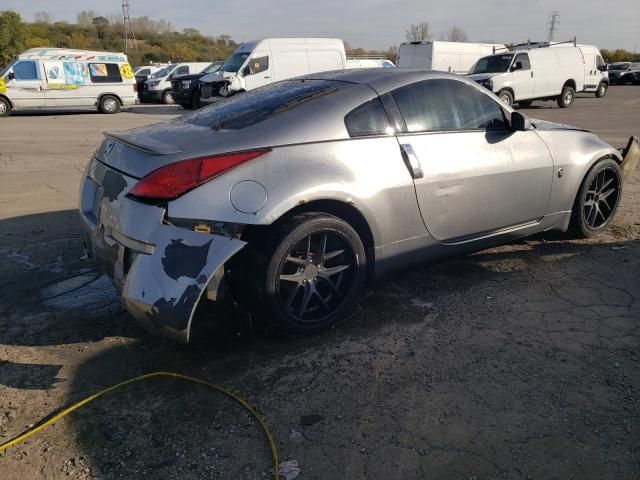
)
(384, 79)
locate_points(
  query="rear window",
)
(258, 105)
(105, 73)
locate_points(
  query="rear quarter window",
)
(105, 73)
(368, 119)
(250, 108)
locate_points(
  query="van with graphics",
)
(50, 78)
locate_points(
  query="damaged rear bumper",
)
(161, 270)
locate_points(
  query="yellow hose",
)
(90, 398)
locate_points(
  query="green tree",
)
(12, 36)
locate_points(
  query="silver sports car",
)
(290, 197)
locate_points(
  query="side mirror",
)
(246, 70)
(603, 68)
(11, 76)
(520, 122)
(517, 66)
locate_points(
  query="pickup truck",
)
(185, 89)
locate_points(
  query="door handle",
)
(411, 160)
(268, 76)
(531, 73)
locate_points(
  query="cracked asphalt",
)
(517, 362)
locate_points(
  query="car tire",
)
(567, 96)
(602, 90)
(186, 106)
(5, 107)
(525, 103)
(167, 98)
(506, 96)
(195, 99)
(308, 273)
(109, 104)
(597, 200)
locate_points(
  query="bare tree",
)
(418, 33)
(85, 17)
(42, 17)
(456, 34)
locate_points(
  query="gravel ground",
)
(518, 362)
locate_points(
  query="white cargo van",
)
(262, 62)
(455, 57)
(56, 77)
(532, 74)
(157, 88)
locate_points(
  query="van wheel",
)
(566, 97)
(109, 104)
(167, 98)
(602, 90)
(506, 96)
(5, 107)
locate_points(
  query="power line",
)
(553, 25)
(128, 36)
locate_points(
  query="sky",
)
(375, 24)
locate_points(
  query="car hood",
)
(188, 76)
(480, 77)
(216, 76)
(547, 126)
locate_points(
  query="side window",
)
(258, 64)
(105, 73)
(143, 71)
(427, 106)
(524, 59)
(182, 70)
(476, 111)
(26, 70)
(368, 119)
(445, 105)
(599, 61)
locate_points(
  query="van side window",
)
(524, 59)
(258, 64)
(182, 70)
(599, 61)
(105, 73)
(26, 70)
(143, 71)
(368, 119)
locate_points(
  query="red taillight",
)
(178, 178)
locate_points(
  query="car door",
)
(257, 71)
(24, 84)
(522, 77)
(473, 175)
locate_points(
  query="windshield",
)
(258, 105)
(163, 72)
(492, 64)
(214, 67)
(234, 62)
(622, 66)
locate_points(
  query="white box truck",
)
(261, 62)
(456, 57)
(50, 78)
(537, 73)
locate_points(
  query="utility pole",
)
(553, 25)
(128, 35)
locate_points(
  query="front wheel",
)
(602, 90)
(566, 97)
(597, 200)
(5, 107)
(167, 98)
(312, 274)
(506, 96)
(109, 104)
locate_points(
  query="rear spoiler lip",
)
(150, 146)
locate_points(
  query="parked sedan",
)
(292, 196)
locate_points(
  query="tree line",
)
(156, 40)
